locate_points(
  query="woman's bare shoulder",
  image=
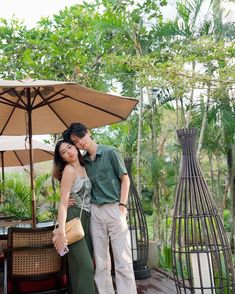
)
(69, 170)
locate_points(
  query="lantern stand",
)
(138, 229)
(202, 259)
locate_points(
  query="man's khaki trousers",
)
(108, 222)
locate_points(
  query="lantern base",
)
(142, 273)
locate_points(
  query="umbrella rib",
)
(16, 155)
(35, 95)
(38, 92)
(10, 103)
(41, 104)
(46, 151)
(46, 102)
(52, 109)
(19, 96)
(16, 94)
(5, 125)
(96, 107)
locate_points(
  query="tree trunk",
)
(188, 114)
(231, 178)
(138, 51)
(204, 120)
(225, 196)
(212, 174)
(156, 196)
(218, 184)
(138, 177)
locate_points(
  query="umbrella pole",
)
(3, 178)
(31, 161)
(32, 183)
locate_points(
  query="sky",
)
(32, 10)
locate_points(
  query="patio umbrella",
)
(45, 107)
(14, 151)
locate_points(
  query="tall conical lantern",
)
(202, 259)
(138, 229)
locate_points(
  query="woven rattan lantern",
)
(202, 260)
(138, 229)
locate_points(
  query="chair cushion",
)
(27, 286)
(2, 259)
(1, 262)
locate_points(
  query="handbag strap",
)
(82, 206)
(80, 215)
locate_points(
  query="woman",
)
(69, 170)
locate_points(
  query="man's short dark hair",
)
(77, 129)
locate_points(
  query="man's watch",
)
(122, 204)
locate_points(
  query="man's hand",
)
(71, 202)
(123, 210)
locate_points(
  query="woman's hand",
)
(59, 240)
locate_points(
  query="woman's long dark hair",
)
(58, 163)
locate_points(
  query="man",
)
(110, 187)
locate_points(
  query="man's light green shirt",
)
(104, 173)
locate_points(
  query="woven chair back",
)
(30, 255)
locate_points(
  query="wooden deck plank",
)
(158, 283)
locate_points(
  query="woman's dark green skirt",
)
(79, 257)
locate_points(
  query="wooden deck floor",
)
(158, 283)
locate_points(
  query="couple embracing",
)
(97, 182)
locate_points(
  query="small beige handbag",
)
(73, 228)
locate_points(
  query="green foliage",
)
(48, 208)
(146, 201)
(17, 197)
(165, 258)
(122, 135)
(227, 220)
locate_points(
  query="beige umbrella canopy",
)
(52, 106)
(14, 151)
(45, 107)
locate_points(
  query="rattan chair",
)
(5, 223)
(31, 263)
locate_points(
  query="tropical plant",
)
(17, 196)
